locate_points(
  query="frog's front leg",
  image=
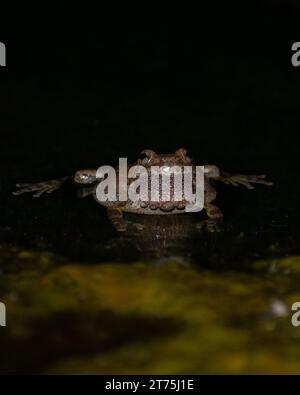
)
(86, 181)
(210, 194)
(240, 179)
(40, 187)
(214, 221)
(213, 212)
(80, 178)
(115, 215)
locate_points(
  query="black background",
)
(86, 84)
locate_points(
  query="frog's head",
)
(148, 158)
(85, 177)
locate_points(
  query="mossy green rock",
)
(147, 318)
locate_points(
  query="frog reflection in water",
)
(88, 181)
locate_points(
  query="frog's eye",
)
(183, 154)
(187, 157)
(146, 156)
(142, 156)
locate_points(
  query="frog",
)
(87, 181)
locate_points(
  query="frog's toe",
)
(210, 226)
(261, 180)
(246, 184)
(22, 185)
(41, 187)
(128, 227)
(247, 181)
(19, 192)
(256, 180)
(134, 227)
(25, 188)
(40, 192)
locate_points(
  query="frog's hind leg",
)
(40, 187)
(213, 223)
(115, 215)
(213, 212)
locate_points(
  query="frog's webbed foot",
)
(41, 187)
(115, 215)
(213, 212)
(240, 179)
(214, 221)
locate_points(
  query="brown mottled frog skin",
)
(88, 182)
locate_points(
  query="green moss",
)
(289, 265)
(146, 318)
